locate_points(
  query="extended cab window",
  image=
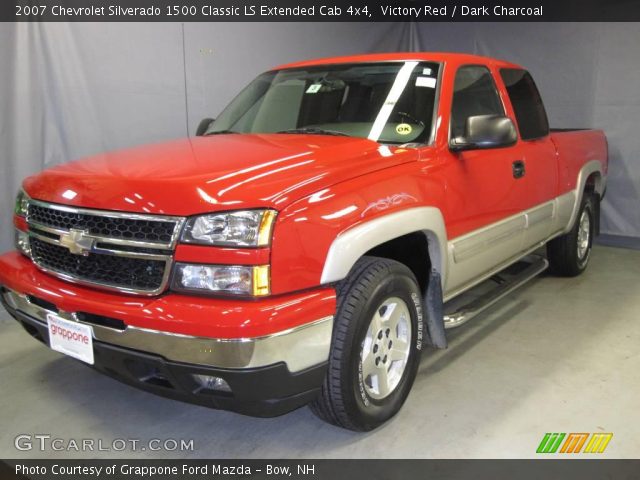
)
(474, 93)
(527, 103)
(390, 102)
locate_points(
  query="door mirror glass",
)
(486, 131)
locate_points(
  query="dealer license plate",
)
(71, 338)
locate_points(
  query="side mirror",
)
(486, 131)
(203, 126)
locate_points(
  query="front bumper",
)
(262, 392)
(298, 348)
(268, 374)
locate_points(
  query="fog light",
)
(225, 279)
(22, 243)
(207, 382)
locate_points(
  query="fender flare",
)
(353, 243)
(591, 167)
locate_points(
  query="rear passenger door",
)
(538, 154)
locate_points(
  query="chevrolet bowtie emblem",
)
(77, 241)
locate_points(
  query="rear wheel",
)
(569, 254)
(375, 347)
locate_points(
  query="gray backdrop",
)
(70, 90)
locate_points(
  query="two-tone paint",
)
(336, 198)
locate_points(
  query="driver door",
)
(484, 197)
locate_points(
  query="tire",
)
(569, 254)
(379, 297)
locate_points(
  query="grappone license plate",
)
(71, 338)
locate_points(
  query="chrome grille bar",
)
(82, 242)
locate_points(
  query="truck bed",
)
(577, 147)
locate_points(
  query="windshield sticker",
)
(401, 81)
(403, 129)
(314, 88)
(426, 82)
(427, 71)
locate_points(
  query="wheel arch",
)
(590, 179)
(382, 234)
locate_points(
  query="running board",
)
(504, 286)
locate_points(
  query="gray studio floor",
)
(560, 355)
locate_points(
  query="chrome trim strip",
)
(98, 239)
(44, 228)
(105, 251)
(168, 260)
(179, 221)
(125, 253)
(299, 347)
(102, 239)
(52, 241)
(235, 340)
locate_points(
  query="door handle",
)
(518, 169)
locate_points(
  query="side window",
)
(527, 104)
(474, 93)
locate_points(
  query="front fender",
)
(352, 244)
(319, 238)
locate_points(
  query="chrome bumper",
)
(299, 348)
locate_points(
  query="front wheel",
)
(375, 348)
(569, 254)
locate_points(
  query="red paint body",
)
(320, 186)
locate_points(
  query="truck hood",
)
(220, 172)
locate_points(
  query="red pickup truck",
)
(306, 245)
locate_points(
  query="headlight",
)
(22, 243)
(22, 204)
(224, 279)
(249, 228)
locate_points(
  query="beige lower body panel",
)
(477, 255)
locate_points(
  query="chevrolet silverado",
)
(308, 243)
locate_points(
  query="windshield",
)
(390, 102)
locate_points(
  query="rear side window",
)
(527, 103)
(474, 93)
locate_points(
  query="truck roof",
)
(455, 58)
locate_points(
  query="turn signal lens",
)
(261, 281)
(22, 204)
(266, 226)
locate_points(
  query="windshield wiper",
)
(219, 132)
(314, 131)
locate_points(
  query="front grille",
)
(130, 253)
(107, 270)
(152, 231)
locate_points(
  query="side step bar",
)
(505, 285)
